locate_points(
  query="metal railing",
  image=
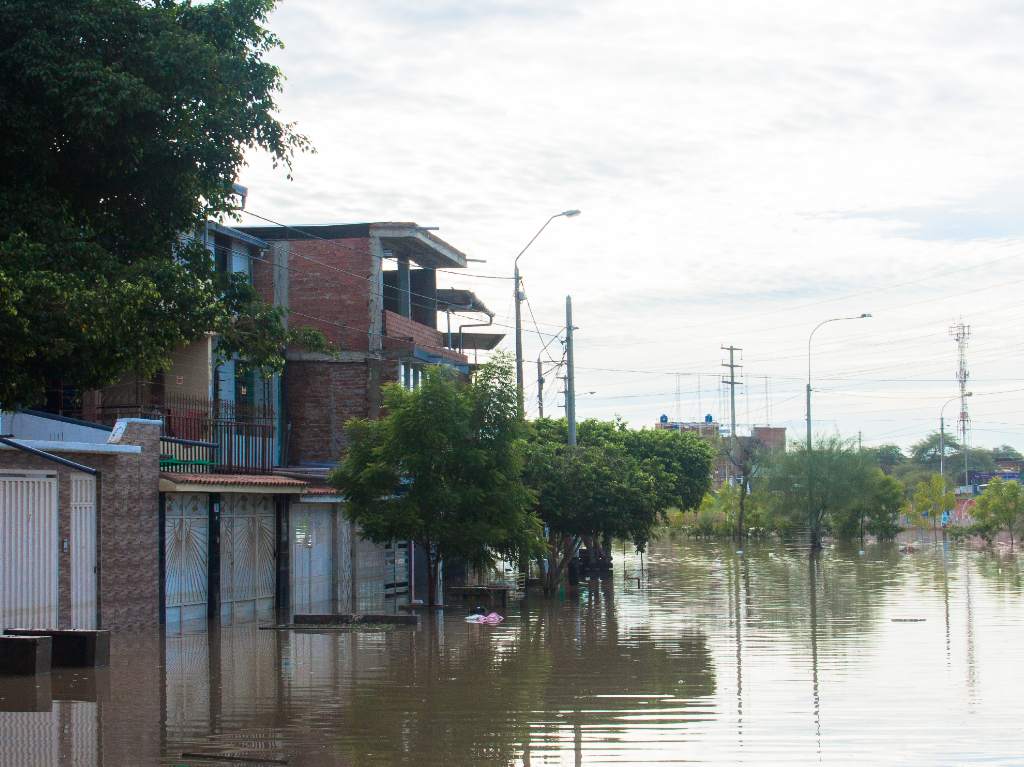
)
(187, 456)
(205, 436)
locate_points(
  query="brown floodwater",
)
(716, 658)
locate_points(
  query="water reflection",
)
(718, 658)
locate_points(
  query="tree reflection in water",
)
(501, 694)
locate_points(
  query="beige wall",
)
(190, 370)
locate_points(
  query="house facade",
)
(239, 521)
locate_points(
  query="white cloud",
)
(742, 168)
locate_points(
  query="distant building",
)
(705, 428)
(771, 437)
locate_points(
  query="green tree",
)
(590, 493)
(124, 125)
(443, 468)
(746, 455)
(1006, 453)
(932, 498)
(837, 475)
(1000, 507)
(874, 509)
(888, 457)
(616, 483)
(680, 462)
(925, 452)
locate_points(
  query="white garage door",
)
(28, 550)
(312, 565)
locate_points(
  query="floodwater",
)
(716, 658)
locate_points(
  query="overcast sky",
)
(745, 170)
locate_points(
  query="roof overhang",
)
(262, 484)
(407, 240)
(237, 234)
(403, 239)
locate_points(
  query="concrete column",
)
(404, 295)
(376, 299)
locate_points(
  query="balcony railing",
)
(203, 436)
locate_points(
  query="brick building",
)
(771, 438)
(372, 290)
(234, 519)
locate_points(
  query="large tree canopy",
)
(124, 125)
(615, 483)
(443, 468)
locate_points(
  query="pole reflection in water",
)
(812, 571)
(709, 662)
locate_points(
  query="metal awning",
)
(458, 299)
(478, 341)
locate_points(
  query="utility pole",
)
(540, 389)
(518, 296)
(570, 374)
(732, 383)
(679, 412)
(961, 333)
(860, 443)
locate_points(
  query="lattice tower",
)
(961, 333)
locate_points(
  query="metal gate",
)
(28, 550)
(312, 562)
(248, 563)
(187, 532)
(83, 551)
(381, 576)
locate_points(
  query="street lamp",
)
(942, 435)
(810, 471)
(519, 299)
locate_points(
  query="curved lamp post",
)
(942, 435)
(518, 301)
(810, 471)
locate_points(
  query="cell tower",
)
(960, 333)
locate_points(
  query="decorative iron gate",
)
(248, 561)
(187, 533)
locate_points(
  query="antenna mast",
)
(961, 333)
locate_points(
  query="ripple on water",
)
(716, 659)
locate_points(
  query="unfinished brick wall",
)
(321, 398)
(401, 333)
(329, 289)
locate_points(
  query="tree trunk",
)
(741, 528)
(815, 537)
(552, 568)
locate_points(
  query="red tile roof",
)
(322, 490)
(241, 480)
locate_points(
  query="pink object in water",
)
(491, 619)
